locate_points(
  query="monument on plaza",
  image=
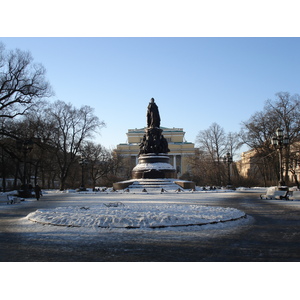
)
(153, 159)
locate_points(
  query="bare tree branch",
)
(22, 82)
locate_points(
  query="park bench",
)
(273, 194)
(295, 195)
(13, 199)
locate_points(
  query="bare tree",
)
(212, 141)
(286, 111)
(58, 131)
(21, 82)
(233, 143)
(71, 128)
(201, 169)
(257, 132)
(100, 162)
(29, 127)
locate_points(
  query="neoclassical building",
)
(252, 166)
(180, 149)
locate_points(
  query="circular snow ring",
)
(119, 215)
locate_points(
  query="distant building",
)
(253, 165)
(180, 149)
(247, 166)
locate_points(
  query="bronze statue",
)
(153, 140)
(153, 118)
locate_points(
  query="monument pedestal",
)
(152, 166)
(154, 169)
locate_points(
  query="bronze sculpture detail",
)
(153, 118)
(153, 141)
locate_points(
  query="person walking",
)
(37, 191)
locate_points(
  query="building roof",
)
(165, 129)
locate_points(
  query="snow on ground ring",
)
(119, 215)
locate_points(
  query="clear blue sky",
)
(195, 81)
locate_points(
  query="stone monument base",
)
(153, 166)
(170, 184)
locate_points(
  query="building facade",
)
(180, 149)
(255, 166)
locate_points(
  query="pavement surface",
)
(270, 233)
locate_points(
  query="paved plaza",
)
(269, 233)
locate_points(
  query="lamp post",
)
(228, 159)
(25, 146)
(280, 141)
(83, 161)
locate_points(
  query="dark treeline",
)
(51, 144)
(47, 142)
(257, 133)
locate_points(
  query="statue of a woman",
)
(153, 118)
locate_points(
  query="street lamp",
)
(25, 146)
(280, 141)
(83, 161)
(228, 159)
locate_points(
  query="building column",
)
(174, 161)
(180, 162)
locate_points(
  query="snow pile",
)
(135, 215)
(153, 166)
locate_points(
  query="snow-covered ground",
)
(136, 280)
(135, 209)
(121, 210)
